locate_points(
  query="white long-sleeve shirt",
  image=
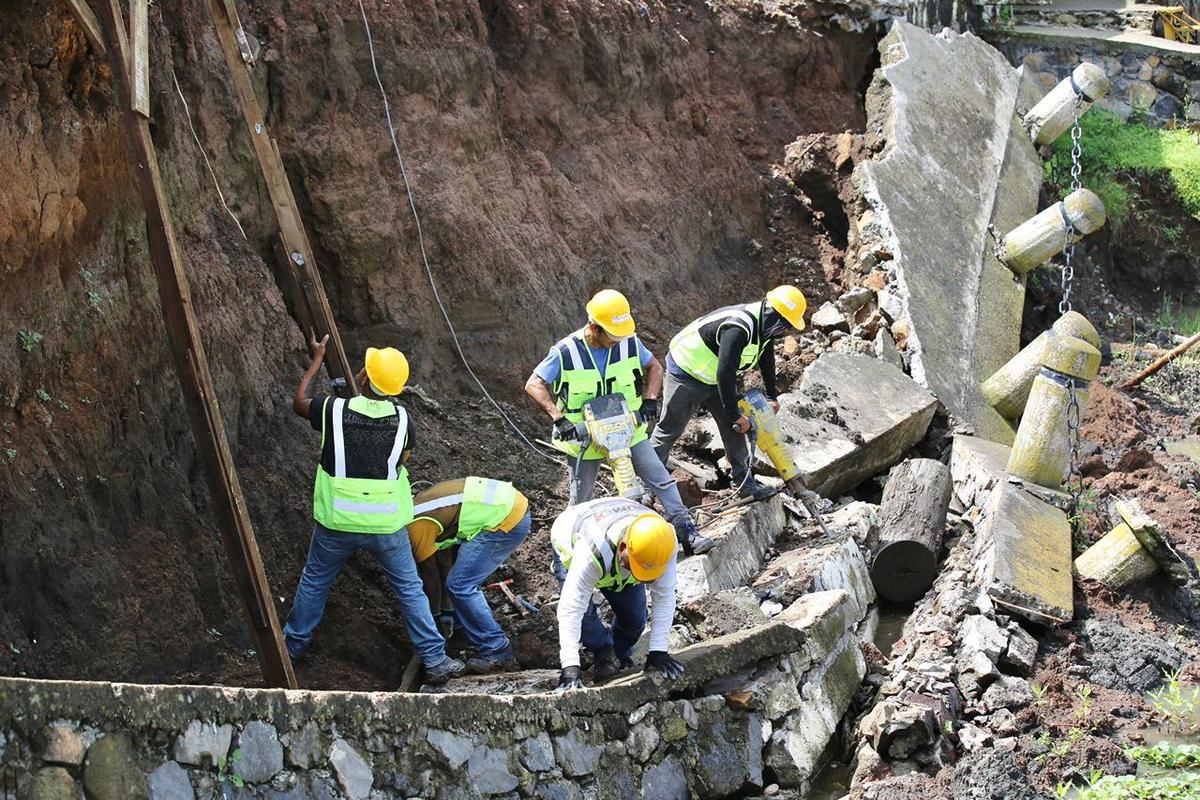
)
(575, 531)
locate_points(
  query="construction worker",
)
(486, 520)
(362, 501)
(704, 362)
(606, 357)
(617, 546)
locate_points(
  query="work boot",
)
(608, 666)
(756, 490)
(483, 665)
(691, 541)
(444, 670)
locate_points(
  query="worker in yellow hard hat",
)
(619, 547)
(363, 501)
(705, 361)
(606, 357)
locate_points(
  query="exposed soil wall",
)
(555, 147)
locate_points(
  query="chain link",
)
(1067, 278)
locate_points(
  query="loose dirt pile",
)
(555, 147)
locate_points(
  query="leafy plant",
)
(1167, 755)
(11, 453)
(43, 395)
(1181, 786)
(29, 340)
(227, 769)
(1174, 233)
(1176, 705)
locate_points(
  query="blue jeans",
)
(649, 467)
(476, 560)
(327, 554)
(629, 617)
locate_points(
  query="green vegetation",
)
(29, 340)
(43, 395)
(1175, 316)
(1175, 705)
(1167, 755)
(227, 769)
(1111, 147)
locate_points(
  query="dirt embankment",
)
(555, 147)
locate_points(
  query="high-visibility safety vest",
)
(485, 504)
(367, 490)
(695, 348)
(603, 538)
(579, 381)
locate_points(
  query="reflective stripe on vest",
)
(363, 505)
(603, 545)
(693, 356)
(579, 381)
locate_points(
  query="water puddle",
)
(891, 625)
(1188, 446)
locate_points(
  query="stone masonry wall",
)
(752, 705)
(1155, 84)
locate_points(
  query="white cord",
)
(412, 204)
(188, 113)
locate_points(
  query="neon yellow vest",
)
(693, 356)
(603, 546)
(579, 381)
(363, 505)
(485, 504)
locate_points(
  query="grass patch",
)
(1178, 317)
(1111, 147)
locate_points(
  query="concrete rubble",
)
(954, 149)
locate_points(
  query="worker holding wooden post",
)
(485, 520)
(617, 546)
(362, 501)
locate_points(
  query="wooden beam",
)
(296, 247)
(191, 364)
(90, 25)
(139, 42)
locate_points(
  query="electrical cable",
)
(387, 110)
(216, 184)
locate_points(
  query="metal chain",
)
(1067, 278)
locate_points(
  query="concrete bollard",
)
(1117, 560)
(1007, 389)
(1038, 239)
(1042, 450)
(1055, 112)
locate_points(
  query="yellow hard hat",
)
(610, 310)
(650, 543)
(790, 303)
(387, 369)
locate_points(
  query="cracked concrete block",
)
(742, 538)
(853, 417)
(1021, 651)
(982, 634)
(955, 149)
(1029, 568)
(821, 566)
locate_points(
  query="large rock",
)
(203, 740)
(64, 745)
(262, 754)
(956, 159)
(1028, 567)
(170, 782)
(353, 772)
(110, 771)
(488, 771)
(743, 536)
(52, 783)
(853, 417)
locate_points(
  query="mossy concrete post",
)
(1117, 560)
(1038, 239)
(1055, 112)
(1007, 390)
(1042, 450)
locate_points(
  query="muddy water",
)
(1188, 446)
(890, 626)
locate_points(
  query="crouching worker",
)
(486, 520)
(617, 546)
(362, 501)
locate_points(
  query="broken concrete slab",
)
(1027, 568)
(1177, 566)
(955, 150)
(853, 417)
(977, 465)
(821, 566)
(743, 536)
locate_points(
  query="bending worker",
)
(617, 546)
(704, 362)
(362, 501)
(486, 520)
(605, 357)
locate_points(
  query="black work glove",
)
(649, 411)
(445, 623)
(569, 679)
(658, 661)
(564, 430)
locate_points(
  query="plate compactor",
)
(766, 435)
